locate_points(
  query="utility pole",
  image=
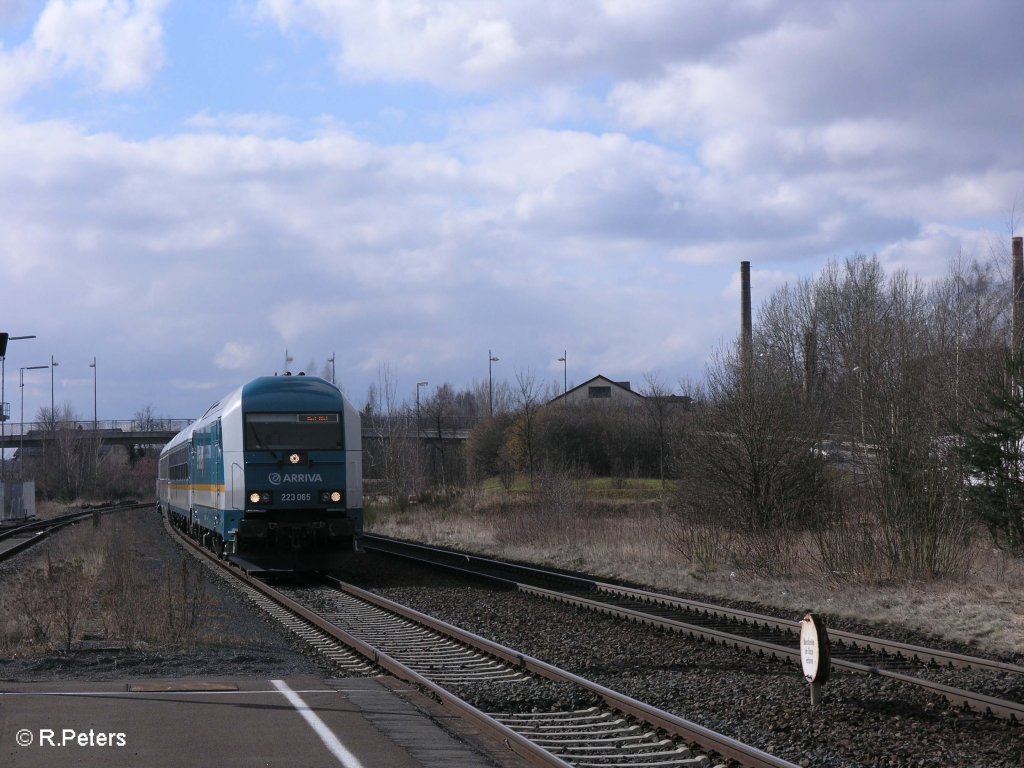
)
(490, 380)
(53, 411)
(94, 373)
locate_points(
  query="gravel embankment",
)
(862, 721)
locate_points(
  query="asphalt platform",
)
(304, 721)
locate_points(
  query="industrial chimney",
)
(1018, 294)
(747, 327)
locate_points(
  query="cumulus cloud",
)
(111, 45)
(235, 355)
(491, 43)
(594, 171)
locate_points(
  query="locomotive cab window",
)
(287, 431)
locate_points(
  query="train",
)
(270, 476)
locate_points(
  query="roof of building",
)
(685, 401)
(623, 385)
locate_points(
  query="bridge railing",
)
(16, 429)
(376, 426)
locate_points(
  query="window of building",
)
(599, 391)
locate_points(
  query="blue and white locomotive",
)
(270, 476)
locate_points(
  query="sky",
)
(192, 190)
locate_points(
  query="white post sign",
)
(814, 654)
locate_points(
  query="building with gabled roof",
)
(599, 389)
(602, 390)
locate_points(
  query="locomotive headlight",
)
(331, 497)
(295, 458)
(259, 497)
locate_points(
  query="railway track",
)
(982, 685)
(21, 537)
(454, 666)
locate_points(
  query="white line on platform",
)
(326, 735)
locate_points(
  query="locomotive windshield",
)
(293, 431)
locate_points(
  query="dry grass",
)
(100, 584)
(636, 542)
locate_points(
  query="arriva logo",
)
(276, 478)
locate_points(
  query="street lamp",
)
(5, 408)
(565, 372)
(94, 373)
(490, 380)
(53, 411)
(21, 430)
(334, 380)
(860, 386)
(418, 385)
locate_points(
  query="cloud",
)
(235, 355)
(494, 44)
(111, 45)
(937, 246)
(892, 93)
(594, 173)
(12, 11)
(259, 124)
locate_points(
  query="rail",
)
(858, 653)
(525, 747)
(18, 538)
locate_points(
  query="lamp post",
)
(53, 411)
(21, 430)
(418, 385)
(334, 380)
(565, 372)
(860, 387)
(490, 380)
(95, 371)
(5, 408)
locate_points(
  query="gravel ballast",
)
(862, 720)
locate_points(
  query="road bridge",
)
(126, 432)
(160, 431)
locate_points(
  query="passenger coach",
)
(270, 476)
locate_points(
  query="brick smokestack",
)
(747, 327)
(1018, 294)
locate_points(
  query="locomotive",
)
(270, 476)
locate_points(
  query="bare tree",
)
(442, 415)
(749, 462)
(65, 468)
(393, 450)
(663, 415)
(523, 440)
(890, 365)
